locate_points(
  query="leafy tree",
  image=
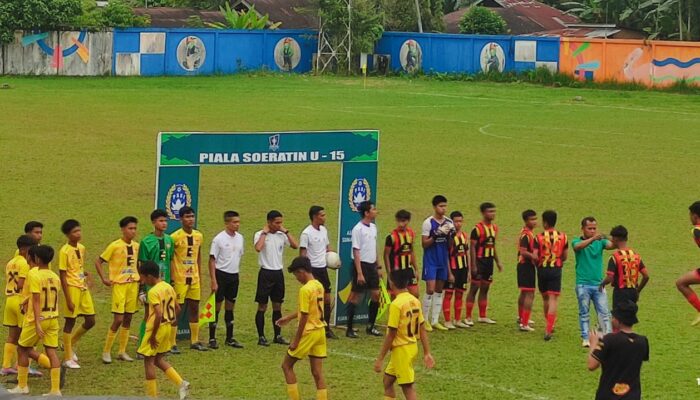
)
(243, 20)
(401, 15)
(43, 15)
(117, 14)
(367, 18)
(481, 20)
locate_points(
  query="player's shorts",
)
(434, 273)
(622, 295)
(407, 273)
(484, 271)
(13, 315)
(270, 286)
(321, 275)
(461, 279)
(227, 286)
(125, 297)
(312, 344)
(187, 292)
(82, 303)
(369, 271)
(527, 277)
(163, 337)
(29, 338)
(401, 364)
(549, 280)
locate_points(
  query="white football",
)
(332, 260)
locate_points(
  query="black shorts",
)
(407, 273)
(321, 275)
(270, 286)
(484, 270)
(549, 280)
(527, 277)
(621, 295)
(461, 279)
(371, 277)
(227, 286)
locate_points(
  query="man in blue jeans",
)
(589, 274)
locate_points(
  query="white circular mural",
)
(191, 53)
(287, 54)
(492, 58)
(411, 56)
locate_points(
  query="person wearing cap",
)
(620, 354)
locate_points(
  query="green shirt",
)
(159, 250)
(589, 262)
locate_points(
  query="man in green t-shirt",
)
(157, 247)
(589, 274)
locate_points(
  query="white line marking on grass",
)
(482, 130)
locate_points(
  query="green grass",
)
(85, 149)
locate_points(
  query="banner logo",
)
(274, 142)
(178, 196)
(359, 191)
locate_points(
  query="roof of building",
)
(170, 17)
(594, 32)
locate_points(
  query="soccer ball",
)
(332, 260)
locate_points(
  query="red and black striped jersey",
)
(696, 234)
(550, 246)
(400, 244)
(459, 250)
(527, 242)
(625, 267)
(483, 238)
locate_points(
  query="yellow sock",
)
(173, 376)
(293, 391)
(322, 394)
(173, 335)
(194, 332)
(22, 376)
(110, 341)
(389, 398)
(9, 355)
(77, 334)
(123, 339)
(151, 388)
(55, 380)
(67, 346)
(44, 361)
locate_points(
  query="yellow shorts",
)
(185, 291)
(125, 297)
(82, 303)
(29, 338)
(312, 344)
(164, 341)
(401, 363)
(13, 316)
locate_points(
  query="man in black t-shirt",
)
(621, 355)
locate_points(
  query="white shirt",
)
(270, 257)
(315, 241)
(364, 238)
(227, 251)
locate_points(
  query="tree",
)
(243, 20)
(400, 15)
(481, 20)
(45, 15)
(117, 14)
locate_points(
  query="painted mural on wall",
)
(66, 47)
(411, 56)
(585, 67)
(287, 54)
(191, 53)
(492, 58)
(661, 71)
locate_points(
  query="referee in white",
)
(366, 272)
(270, 243)
(314, 244)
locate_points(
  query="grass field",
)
(85, 149)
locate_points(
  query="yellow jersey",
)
(47, 284)
(16, 269)
(163, 295)
(187, 247)
(311, 304)
(406, 317)
(122, 258)
(72, 260)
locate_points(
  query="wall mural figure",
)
(191, 53)
(287, 54)
(411, 56)
(492, 58)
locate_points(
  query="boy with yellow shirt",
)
(121, 256)
(310, 338)
(71, 261)
(40, 323)
(162, 319)
(405, 326)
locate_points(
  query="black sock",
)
(327, 315)
(275, 316)
(373, 310)
(228, 318)
(212, 327)
(351, 315)
(260, 323)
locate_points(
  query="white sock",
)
(427, 303)
(437, 307)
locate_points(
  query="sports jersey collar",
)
(229, 235)
(127, 243)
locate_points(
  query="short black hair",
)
(456, 214)
(399, 281)
(619, 232)
(273, 214)
(29, 226)
(695, 208)
(158, 213)
(149, 268)
(314, 210)
(128, 220)
(586, 220)
(364, 207)
(486, 205)
(439, 199)
(32, 251)
(186, 210)
(403, 215)
(230, 214)
(550, 218)
(300, 263)
(43, 253)
(25, 241)
(68, 225)
(529, 213)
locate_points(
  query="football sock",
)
(459, 303)
(151, 388)
(55, 380)
(123, 339)
(78, 333)
(275, 316)
(173, 376)
(520, 313)
(470, 308)
(293, 391)
(525, 317)
(260, 323)
(389, 398)
(437, 306)
(43, 361)
(447, 305)
(212, 330)
(8, 355)
(693, 299)
(550, 322)
(427, 306)
(483, 305)
(110, 341)
(67, 346)
(373, 311)
(327, 314)
(322, 394)
(351, 314)
(194, 332)
(22, 376)
(228, 318)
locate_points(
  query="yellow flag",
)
(384, 299)
(208, 312)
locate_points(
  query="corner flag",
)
(384, 299)
(208, 312)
